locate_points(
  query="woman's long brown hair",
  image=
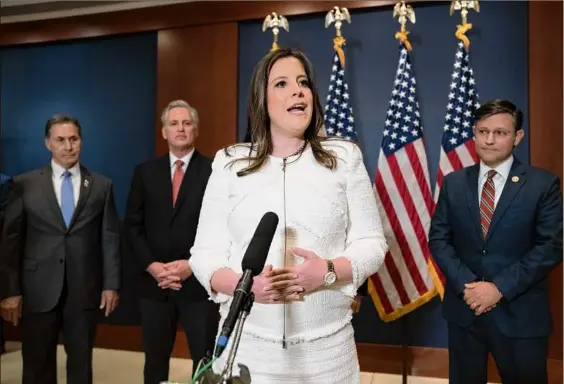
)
(258, 119)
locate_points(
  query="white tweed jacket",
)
(330, 212)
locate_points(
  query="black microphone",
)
(252, 265)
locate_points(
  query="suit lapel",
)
(50, 197)
(190, 176)
(85, 188)
(510, 190)
(471, 193)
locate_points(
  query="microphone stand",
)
(209, 377)
(226, 375)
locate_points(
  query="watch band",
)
(330, 266)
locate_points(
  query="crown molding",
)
(99, 7)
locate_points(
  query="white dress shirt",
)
(185, 160)
(499, 179)
(58, 180)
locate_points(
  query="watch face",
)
(330, 278)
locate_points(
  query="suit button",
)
(61, 261)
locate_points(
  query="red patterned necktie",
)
(177, 180)
(487, 203)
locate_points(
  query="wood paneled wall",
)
(208, 31)
(199, 64)
(545, 120)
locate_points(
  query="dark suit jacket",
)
(39, 252)
(6, 188)
(158, 232)
(524, 243)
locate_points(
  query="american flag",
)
(407, 278)
(458, 148)
(339, 118)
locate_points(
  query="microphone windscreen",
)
(257, 251)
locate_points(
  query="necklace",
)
(300, 150)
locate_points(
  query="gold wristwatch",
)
(330, 276)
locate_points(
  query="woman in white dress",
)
(329, 239)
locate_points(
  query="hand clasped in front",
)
(275, 286)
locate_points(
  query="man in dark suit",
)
(161, 220)
(496, 234)
(6, 186)
(60, 253)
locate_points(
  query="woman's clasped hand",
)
(274, 286)
(289, 284)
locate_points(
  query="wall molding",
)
(164, 17)
(44, 10)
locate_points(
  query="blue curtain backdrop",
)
(499, 58)
(109, 84)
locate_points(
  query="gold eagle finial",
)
(463, 6)
(404, 13)
(338, 16)
(275, 21)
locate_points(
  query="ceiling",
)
(13, 11)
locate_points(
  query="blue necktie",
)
(67, 198)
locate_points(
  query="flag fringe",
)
(401, 311)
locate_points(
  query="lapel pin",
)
(515, 179)
(86, 183)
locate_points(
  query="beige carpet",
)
(124, 367)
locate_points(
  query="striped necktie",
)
(487, 203)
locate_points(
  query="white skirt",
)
(328, 360)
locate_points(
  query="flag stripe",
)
(454, 159)
(412, 228)
(383, 295)
(421, 197)
(467, 153)
(400, 240)
(418, 159)
(393, 296)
